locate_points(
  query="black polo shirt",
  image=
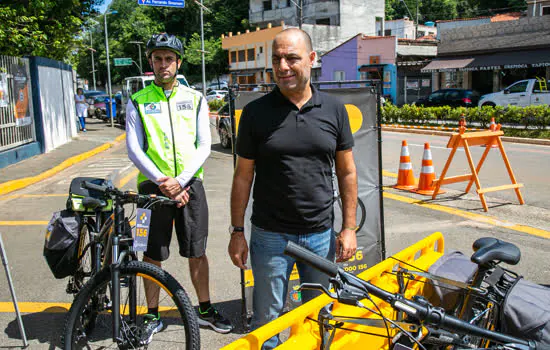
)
(294, 152)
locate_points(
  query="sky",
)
(104, 6)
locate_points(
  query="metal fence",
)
(16, 110)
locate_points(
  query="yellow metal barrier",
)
(304, 333)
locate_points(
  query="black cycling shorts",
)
(191, 223)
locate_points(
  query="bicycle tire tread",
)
(180, 297)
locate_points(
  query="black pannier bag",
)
(61, 243)
(526, 312)
(454, 266)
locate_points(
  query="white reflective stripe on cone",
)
(405, 166)
(427, 170)
(404, 151)
(427, 155)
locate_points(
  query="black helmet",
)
(164, 42)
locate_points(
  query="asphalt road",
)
(24, 214)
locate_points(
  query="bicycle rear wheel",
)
(181, 330)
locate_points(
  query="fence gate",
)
(16, 110)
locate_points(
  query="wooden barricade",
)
(480, 138)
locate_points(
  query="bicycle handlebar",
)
(419, 308)
(128, 196)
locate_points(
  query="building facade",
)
(395, 62)
(404, 28)
(490, 56)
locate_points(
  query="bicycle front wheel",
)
(179, 329)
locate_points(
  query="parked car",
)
(522, 93)
(450, 97)
(215, 95)
(222, 85)
(90, 96)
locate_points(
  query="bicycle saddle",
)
(488, 249)
(93, 203)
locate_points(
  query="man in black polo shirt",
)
(291, 138)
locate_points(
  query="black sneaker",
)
(213, 319)
(151, 325)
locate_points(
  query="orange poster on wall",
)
(21, 94)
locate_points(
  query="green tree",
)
(215, 58)
(44, 28)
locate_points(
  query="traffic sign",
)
(167, 3)
(123, 61)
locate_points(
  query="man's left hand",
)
(346, 245)
(169, 186)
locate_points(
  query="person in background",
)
(81, 108)
(168, 140)
(288, 142)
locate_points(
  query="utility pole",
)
(202, 53)
(109, 92)
(138, 43)
(416, 30)
(300, 7)
(93, 64)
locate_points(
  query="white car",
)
(215, 95)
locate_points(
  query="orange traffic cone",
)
(405, 177)
(493, 125)
(427, 174)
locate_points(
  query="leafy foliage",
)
(531, 117)
(44, 28)
(432, 10)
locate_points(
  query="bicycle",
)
(95, 222)
(113, 299)
(415, 331)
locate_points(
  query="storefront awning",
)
(245, 72)
(447, 65)
(501, 60)
(371, 67)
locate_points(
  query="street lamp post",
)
(202, 53)
(93, 65)
(138, 43)
(109, 92)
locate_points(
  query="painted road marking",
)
(471, 216)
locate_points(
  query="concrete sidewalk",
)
(99, 137)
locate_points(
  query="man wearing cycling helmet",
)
(168, 140)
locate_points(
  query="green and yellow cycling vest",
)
(170, 126)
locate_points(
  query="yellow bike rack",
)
(304, 333)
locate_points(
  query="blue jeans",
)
(271, 269)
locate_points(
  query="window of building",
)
(233, 56)
(288, 3)
(261, 49)
(241, 56)
(387, 32)
(545, 10)
(363, 76)
(250, 55)
(374, 59)
(324, 21)
(267, 5)
(339, 75)
(421, 33)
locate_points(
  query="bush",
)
(214, 105)
(531, 116)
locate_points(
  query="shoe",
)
(84, 130)
(151, 325)
(214, 320)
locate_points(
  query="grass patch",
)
(530, 134)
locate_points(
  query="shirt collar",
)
(316, 99)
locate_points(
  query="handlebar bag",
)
(526, 312)
(61, 243)
(455, 266)
(77, 193)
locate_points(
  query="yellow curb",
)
(29, 307)
(24, 223)
(18, 184)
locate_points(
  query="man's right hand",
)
(238, 250)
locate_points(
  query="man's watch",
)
(233, 229)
